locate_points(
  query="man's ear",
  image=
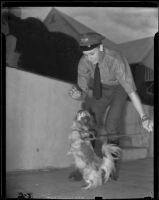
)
(101, 47)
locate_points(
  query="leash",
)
(112, 135)
(104, 135)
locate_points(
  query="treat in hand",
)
(75, 92)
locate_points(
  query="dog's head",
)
(83, 124)
(84, 117)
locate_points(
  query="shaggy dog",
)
(95, 170)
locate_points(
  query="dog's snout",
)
(86, 119)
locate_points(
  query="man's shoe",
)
(75, 175)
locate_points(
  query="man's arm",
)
(83, 74)
(146, 122)
(124, 75)
(81, 90)
(137, 103)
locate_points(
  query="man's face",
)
(92, 55)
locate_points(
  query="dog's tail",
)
(111, 151)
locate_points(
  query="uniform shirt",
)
(114, 70)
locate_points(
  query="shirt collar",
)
(101, 55)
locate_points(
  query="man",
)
(105, 78)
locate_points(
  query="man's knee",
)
(112, 127)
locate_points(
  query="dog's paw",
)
(86, 186)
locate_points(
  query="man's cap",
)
(90, 40)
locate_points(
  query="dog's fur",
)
(95, 170)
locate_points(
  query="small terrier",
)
(95, 170)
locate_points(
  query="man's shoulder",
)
(82, 58)
(83, 61)
(113, 54)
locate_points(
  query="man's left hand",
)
(148, 125)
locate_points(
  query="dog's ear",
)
(77, 114)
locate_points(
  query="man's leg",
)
(113, 120)
(98, 108)
(115, 112)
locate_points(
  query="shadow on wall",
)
(52, 54)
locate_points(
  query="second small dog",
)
(95, 170)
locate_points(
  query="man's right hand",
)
(76, 93)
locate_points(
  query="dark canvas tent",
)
(58, 21)
(140, 55)
(139, 51)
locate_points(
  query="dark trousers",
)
(114, 97)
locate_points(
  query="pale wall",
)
(39, 114)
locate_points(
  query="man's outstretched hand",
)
(76, 93)
(147, 124)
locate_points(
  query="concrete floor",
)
(135, 181)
